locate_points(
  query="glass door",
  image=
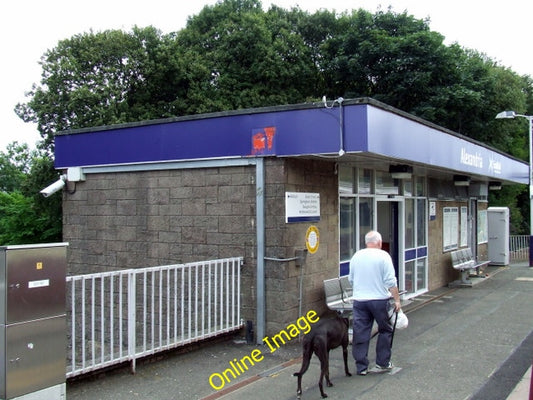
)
(389, 222)
(416, 251)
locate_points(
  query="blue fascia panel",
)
(296, 132)
(395, 136)
(356, 128)
(287, 132)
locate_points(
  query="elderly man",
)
(374, 283)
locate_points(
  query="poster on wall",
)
(450, 228)
(302, 207)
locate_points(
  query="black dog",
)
(325, 335)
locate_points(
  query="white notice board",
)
(450, 228)
(302, 207)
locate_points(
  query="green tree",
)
(48, 221)
(25, 215)
(250, 58)
(16, 219)
(234, 55)
(95, 79)
(388, 56)
(14, 165)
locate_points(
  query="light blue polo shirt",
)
(371, 274)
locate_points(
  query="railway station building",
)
(292, 189)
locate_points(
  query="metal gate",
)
(119, 316)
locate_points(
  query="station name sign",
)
(476, 160)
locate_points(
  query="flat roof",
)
(351, 127)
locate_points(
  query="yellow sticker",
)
(39, 265)
(312, 239)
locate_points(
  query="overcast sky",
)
(30, 27)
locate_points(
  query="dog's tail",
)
(306, 358)
(303, 369)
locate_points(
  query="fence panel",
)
(121, 316)
(519, 247)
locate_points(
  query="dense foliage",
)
(235, 55)
(25, 216)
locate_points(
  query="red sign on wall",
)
(263, 141)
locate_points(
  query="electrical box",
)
(498, 225)
(75, 174)
(33, 321)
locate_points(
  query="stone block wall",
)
(284, 299)
(141, 219)
(441, 271)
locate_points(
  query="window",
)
(385, 184)
(421, 272)
(420, 186)
(364, 185)
(346, 181)
(347, 228)
(407, 187)
(410, 276)
(421, 219)
(366, 212)
(409, 223)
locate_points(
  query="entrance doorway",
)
(472, 227)
(388, 224)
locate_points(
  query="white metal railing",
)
(113, 317)
(519, 247)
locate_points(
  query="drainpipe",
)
(260, 238)
(341, 127)
(341, 121)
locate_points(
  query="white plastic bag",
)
(400, 319)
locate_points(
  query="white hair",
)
(373, 237)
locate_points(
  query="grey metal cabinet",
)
(498, 225)
(32, 318)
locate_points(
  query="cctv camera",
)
(54, 187)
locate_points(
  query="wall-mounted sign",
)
(302, 207)
(312, 239)
(432, 210)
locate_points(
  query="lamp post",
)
(512, 114)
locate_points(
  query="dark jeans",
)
(364, 314)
